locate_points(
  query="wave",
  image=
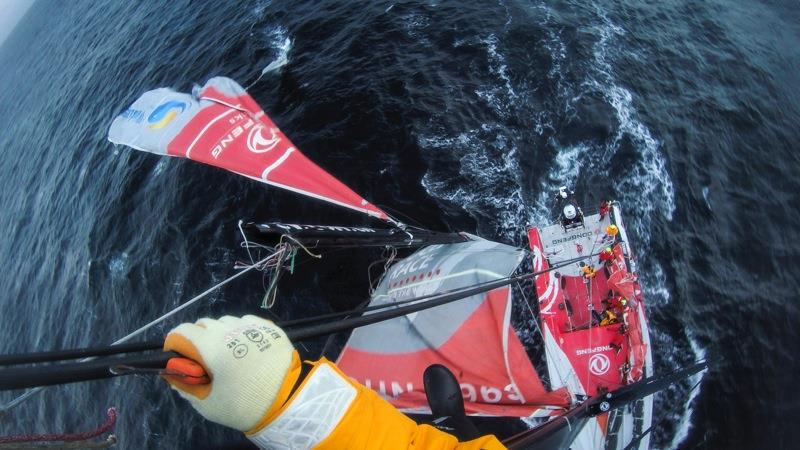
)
(685, 424)
(488, 180)
(566, 167)
(487, 177)
(501, 97)
(118, 265)
(280, 42)
(648, 176)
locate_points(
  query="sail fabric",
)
(221, 125)
(473, 337)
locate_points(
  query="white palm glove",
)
(247, 360)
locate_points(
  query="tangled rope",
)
(282, 254)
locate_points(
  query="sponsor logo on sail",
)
(165, 113)
(257, 143)
(229, 138)
(599, 364)
(133, 114)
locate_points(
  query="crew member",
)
(564, 193)
(587, 270)
(604, 207)
(617, 303)
(608, 318)
(606, 255)
(612, 230)
(625, 371)
(258, 385)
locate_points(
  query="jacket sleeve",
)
(330, 411)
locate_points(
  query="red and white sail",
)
(221, 125)
(473, 337)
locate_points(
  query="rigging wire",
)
(29, 393)
(486, 286)
(392, 304)
(387, 260)
(549, 346)
(260, 265)
(406, 217)
(82, 439)
(246, 244)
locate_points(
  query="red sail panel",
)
(221, 125)
(494, 380)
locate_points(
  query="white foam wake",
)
(567, 166)
(685, 424)
(648, 177)
(501, 97)
(488, 179)
(283, 45)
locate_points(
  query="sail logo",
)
(599, 364)
(165, 113)
(133, 114)
(589, 351)
(257, 143)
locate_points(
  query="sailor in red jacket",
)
(259, 385)
(606, 255)
(604, 208)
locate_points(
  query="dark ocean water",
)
(463, 115)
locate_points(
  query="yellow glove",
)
(247, 360)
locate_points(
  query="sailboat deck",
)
(595, 354)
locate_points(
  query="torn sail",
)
(221, 125)
(473, 337)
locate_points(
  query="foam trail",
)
(705, 197)
(686, 419)
(648, 177)
(654, 283)
(282, 59)
(502, 98)
(282, 44)
(488, 177)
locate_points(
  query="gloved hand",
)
(247, 360)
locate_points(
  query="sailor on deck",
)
(608, 318)
(587, 271)
(258, 385)
(604, 208)
(618, 339)
(616, 303)
(611, 231)
(606, 255)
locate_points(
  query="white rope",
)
(244, 236)
(388, 260)
(190, 302)
(146, 327)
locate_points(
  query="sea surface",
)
(461, 115)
